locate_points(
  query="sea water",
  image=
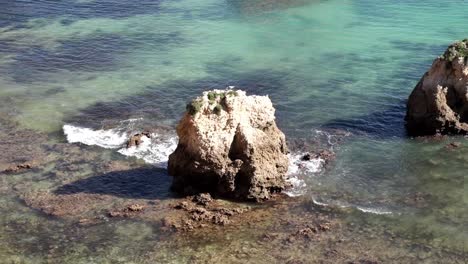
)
(93, 72)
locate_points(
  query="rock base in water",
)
(229, 144)
(439, 103)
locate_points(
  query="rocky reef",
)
(229, 145)
(439, 102)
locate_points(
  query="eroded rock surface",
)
(229, 144)
(439, 103)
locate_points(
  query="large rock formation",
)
(439, 103)
(229, 144)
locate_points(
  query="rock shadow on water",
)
(141, 183)
(387, 123)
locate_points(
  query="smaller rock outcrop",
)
(135, 140)
(229, 144)
(439, 103)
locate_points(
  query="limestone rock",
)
(439, 103)
(229, 144)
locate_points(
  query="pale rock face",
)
(229, 144)
(439, 103)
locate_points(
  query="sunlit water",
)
(337, 71)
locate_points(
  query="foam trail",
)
(370, 210)
(318, 203)
(341, 204)
(297, 172)
(297, 165)
(110, 139)
(154, 150)
(297, 187)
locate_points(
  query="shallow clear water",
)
(329, 66)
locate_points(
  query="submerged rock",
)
(18, 168)
(128, 211)
(453, 145)
(229, 144)
(439, 103)
(135, 140)
(201, 211)
(324, 154)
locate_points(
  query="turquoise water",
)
(334, 67)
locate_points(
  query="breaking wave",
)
(154, 150)
(109, 139)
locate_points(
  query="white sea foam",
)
(154, 150)
(344, 204)
(299, 170)
(378, 211)
(299, 166)
(318, 203)
(298, 187)
(110, 139)
(364, 209)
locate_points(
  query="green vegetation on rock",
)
(456, 50)
(218, 108)
(194, 107)
(218, 98)
(213, 97)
